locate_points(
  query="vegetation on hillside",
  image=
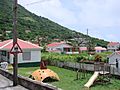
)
(36, 28)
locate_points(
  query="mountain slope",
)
(31, 26)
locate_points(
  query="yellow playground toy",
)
(43, 74)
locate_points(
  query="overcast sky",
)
(101, 17)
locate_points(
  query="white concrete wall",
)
(35, 56)
(112, 60)
(98, 51)
(72, 52)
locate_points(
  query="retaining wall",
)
(28, 83)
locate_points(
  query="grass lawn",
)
(68, 82)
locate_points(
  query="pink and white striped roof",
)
(7, 45)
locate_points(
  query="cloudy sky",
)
(101, 17)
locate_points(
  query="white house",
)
(97, 49)
(114, 59)
(62, 47)
(113, 46)
(100, 49)
(31, 52)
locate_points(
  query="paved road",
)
(6, 84)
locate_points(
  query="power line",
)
(40, 1)
(9, 19)
(3, 19)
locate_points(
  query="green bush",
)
(79, 58)
(59, 57)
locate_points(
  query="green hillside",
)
(31, 26)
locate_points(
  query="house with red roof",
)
(113, 46)
(62, 47)
(31, 52)
(97, 49)
(100, 49)
(114, 59)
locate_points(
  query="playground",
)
(68, 79)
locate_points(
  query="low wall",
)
(75, 65)
(28, 83)
(72, 65)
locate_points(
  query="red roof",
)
(100, 48)
(57, 44)
(7, 45)
(113, 43)
(54, 44)
(4, 43)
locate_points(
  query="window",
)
(4, 53)
(26, 55)
(112, 46)
(58, 49)
(68, 49)
(117, 64)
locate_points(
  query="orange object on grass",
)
(42, 74)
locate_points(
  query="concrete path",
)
(6, 84)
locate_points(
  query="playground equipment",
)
(43, 74)
(92, 79)
(101, 72)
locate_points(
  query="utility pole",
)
(88, 40)
(15, 59)
(87, 31)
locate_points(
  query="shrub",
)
(74, 57)
(79, 58)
